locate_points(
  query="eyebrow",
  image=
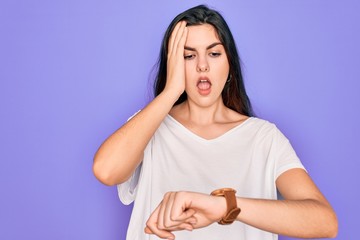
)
(207, 48)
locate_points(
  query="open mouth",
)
(204, 86)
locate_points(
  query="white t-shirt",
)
(248, 158)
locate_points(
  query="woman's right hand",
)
(175, 79)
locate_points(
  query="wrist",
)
(220, 206)
(232, 209)
(172, 93)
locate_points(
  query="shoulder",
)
(264, 129)
(261, 124)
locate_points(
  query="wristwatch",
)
(232, 209)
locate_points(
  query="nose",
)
(202, 65)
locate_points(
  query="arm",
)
(304, 213)
(121, 153)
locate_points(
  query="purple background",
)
(73, 71)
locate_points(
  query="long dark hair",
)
(234, 94)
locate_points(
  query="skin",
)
(205, 58)
(194, 55)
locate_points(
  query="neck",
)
(200, 115)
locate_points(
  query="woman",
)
(198, 135)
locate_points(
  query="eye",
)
(189, 56)
(215, 54)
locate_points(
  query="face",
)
(206, 65)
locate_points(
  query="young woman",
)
(199, 135)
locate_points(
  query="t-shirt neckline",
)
(218, 138)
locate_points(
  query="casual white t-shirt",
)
(248, 158)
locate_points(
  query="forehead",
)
(201, 36)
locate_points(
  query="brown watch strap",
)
(232, 210)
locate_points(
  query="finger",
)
(151, 227)
(178, 34)
(184, 215)
(173, 37)
(192, 221)
(168, 222)
(152, 220)
(182, 40)
(182, 226)
(163, 211)
(160, 233)
(148, 230)
(186, 226)
(182, 209)
(177, 37)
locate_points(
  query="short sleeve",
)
(127, 190)
(285, 155)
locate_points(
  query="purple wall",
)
(73, 71)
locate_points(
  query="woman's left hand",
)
(184, 211)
